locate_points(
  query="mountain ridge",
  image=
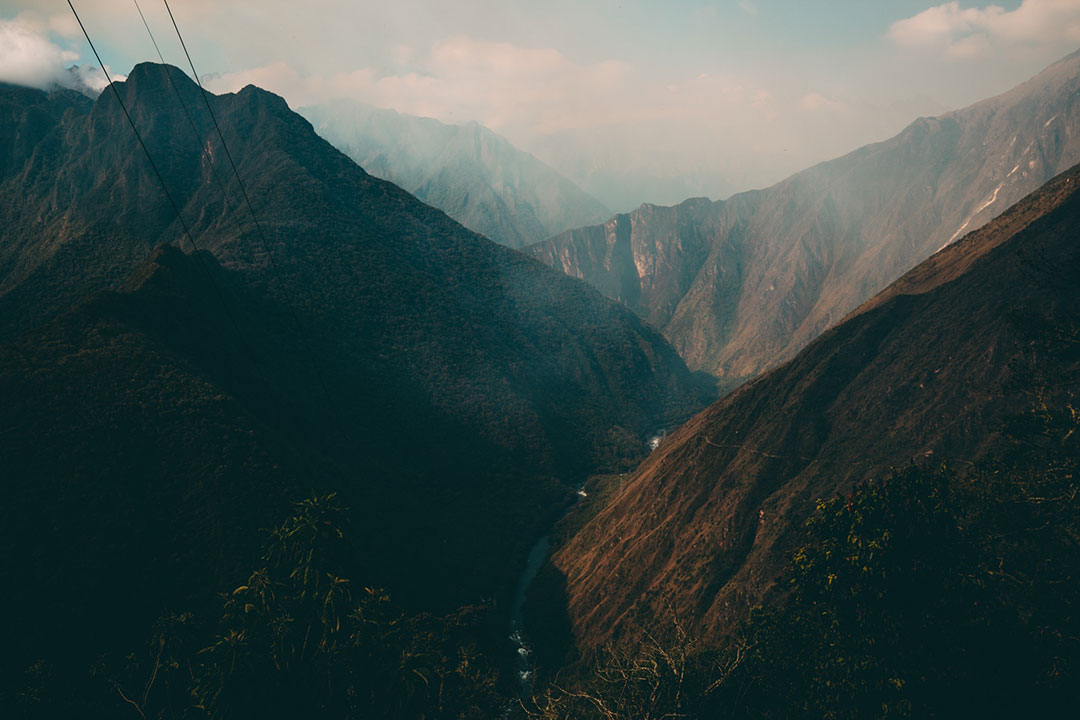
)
(743, 284)
(929, 371)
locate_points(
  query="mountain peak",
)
(154, 76)
(267, 98)
(467, 170)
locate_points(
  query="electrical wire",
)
(251, 209)
(190, 119)
(221, 136)
(164, 187)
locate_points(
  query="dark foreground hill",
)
(932, 370)
(739, 286)
(159, 406)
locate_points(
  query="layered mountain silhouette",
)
(473, 174)
(162, 405)
(932, 371)
(741, 285)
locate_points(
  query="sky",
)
(636, 100)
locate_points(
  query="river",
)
(523, 660)
(523, 651)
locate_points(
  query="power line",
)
(176, 209)
(191, 122)
(221, 136)
(165, 189)
(251, 209)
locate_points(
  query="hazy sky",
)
(719, 96)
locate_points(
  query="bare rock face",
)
(741, 285)
(930, 370)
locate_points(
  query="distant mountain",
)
(932, 370)
(474, 175)
(662, 164)
(161, 406)
(741, 285)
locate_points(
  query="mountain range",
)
(472, 174)
(741, 285)
(162, 403)
(336, 454)
(932, 370)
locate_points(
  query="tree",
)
(297, 639)
(648, 682)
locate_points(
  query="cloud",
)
(602, 115)
(29, 57)
(298, 89)
(816, 102)
(960, 32)
(496, 83)
(748, 7)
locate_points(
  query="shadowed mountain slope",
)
(741, 285)
(146, 428)
(931, 370)
(476, 176)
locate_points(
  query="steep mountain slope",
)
(931, 370)
(474, 175)
(450, 388)
(25, 115)
(741, 285)
(137, 454)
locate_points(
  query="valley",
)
(420, 328)
(332, 402)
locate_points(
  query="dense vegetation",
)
(930, 593)
(929, 371)
(297, 639)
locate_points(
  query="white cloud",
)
(960, 32)
(64, 25)
(29, 57)
(816, 102)
(298, 89)
(603, 114)
(597, 83)
(498, 84)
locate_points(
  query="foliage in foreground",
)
(296, 640)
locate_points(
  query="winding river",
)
(523, 661)
(523, 651)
